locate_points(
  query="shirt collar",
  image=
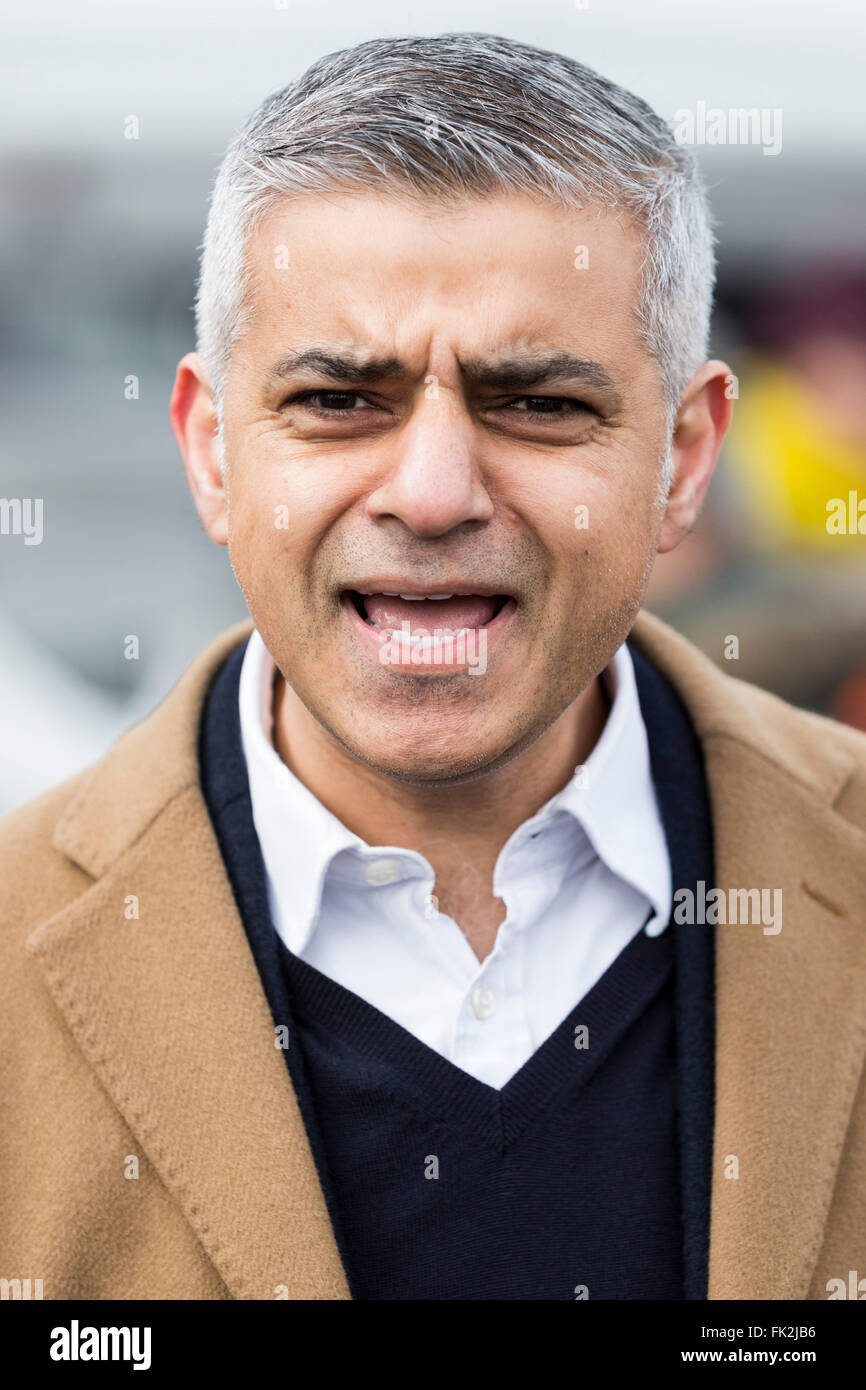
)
(611, 797)
(299, 837)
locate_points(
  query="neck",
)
(460, 829)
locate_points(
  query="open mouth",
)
(434, 612)
(432, 633)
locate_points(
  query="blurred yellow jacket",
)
(795, 472)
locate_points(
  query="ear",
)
(702, 421)
(194, 421)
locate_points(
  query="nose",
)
(435, 483)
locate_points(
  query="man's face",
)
(433, 402)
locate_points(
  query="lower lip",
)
(456, 657)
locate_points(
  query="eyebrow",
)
(516, 372)
(343, 366)
(522, 370)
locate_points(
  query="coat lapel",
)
(790, 1006)
(169, 1009)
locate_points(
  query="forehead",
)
(394, 274)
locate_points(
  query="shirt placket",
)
(492, 1025)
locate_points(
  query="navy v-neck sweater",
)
(588, 1174)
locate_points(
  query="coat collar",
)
(188, 1054)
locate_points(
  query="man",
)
(460, 932)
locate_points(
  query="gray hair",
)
(457, 115)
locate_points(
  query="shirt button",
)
(483, 1002)
(382, 871)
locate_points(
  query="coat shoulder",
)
(826, 758)
(776, 716)
(811, 747)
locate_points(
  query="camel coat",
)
(151, 1144)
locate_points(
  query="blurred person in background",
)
(781, 552)
(798, 457)
(799, 439)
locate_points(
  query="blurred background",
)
(98, 259)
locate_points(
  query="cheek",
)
(271, 529)
(254, 538)
(265, 556)
(283, 503)
(601, 540)
(596, 515)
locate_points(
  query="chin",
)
(427, 755)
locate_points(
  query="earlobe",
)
(702, 421)
(194, 422)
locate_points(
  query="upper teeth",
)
(415, 598)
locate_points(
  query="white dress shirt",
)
(579, 880)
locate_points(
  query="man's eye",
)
(548, 405)
(328, 402)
